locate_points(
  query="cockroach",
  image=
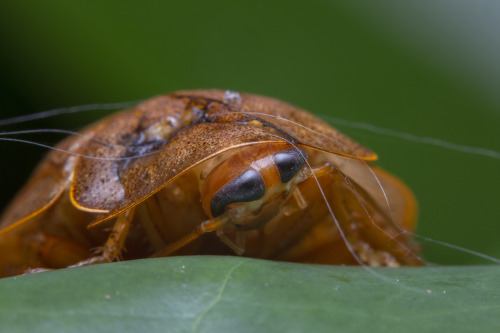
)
(209, 172)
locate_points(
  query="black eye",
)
(248, 186)
(289, 162)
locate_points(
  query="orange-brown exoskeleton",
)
(208, 172)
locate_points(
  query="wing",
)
(140, 159)
(298, 124)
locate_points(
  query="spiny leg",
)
(237, 245)
(206, 226)
(317, 172)
(113, 247)
(322, 170)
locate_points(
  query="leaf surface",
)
(230, 294)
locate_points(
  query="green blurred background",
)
(429, 69)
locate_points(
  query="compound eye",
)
(289, 163)
(248, 186)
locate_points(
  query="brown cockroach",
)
(209, 172)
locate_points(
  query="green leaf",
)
(230, 294)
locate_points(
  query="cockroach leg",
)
(113, 247)
(238, 245)
(318, 172)
(203, 228)
(37, 270)
(322, 170)
(301, 201)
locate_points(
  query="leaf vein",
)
(217, 299)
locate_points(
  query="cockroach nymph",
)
(209, 172)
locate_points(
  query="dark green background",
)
(366, 64)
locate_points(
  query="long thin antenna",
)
(69, 110)
(415, 138)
